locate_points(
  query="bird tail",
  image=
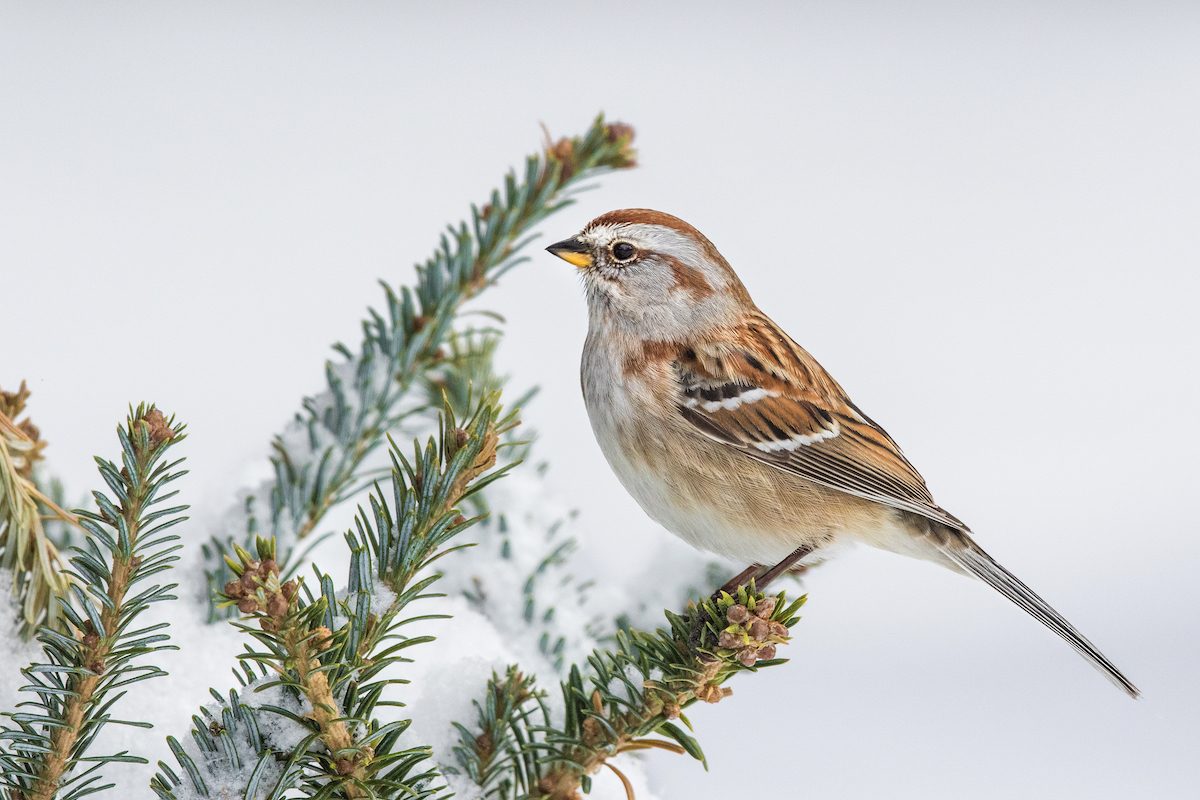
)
(962, 550)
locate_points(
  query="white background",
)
(982, 218)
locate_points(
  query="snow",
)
(382, 599)
(16, 653)
(520, 596)
(633, 679)
(523, 576)
(279, 731)
(451, 673)
(227, 779)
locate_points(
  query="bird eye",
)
(623, 252)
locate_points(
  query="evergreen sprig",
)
(95, 655)
(26, 548)
(625, 699)
(332, 654)
(319, 463)
(499, 756)
(237, 759)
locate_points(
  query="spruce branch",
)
(238, 754)
(625, 699)
(39, 577)
(295, 638)
(43, 749)
(319, 462)
(498, 756)
(331, 652)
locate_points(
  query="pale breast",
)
(704, 492)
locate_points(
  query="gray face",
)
(653, 281)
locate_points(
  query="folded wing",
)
(760, 392)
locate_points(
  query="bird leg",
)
(761, 577)
(731, 585)
(783, 566)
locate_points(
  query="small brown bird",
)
(733, 437)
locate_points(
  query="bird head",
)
(652, 274)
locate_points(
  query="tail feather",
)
(963, 551)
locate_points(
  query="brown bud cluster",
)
(157, 427)
(593, 732)
(13, 403)
(348, 765)
(711, 693)
(562, 151)
(559, 784)
(25, 454)
(322, 638)
(617, 132)
(706, 681)
(258, 591)
(751, 633)
(485, 460)
(485, 745)
(622, 134)
(34, 454)
(92, 651)
(461, 437)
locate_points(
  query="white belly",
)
(708, 528)
(680, 487)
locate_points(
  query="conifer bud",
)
(158, 429)
(322, 638)
(765, 608)
(593, 733)
(277, 606)
(729, 639)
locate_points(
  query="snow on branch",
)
(318, 461)
(624, 699)
(44, 744)
(332, 653)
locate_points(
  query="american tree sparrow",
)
(732, 436)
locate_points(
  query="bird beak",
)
(573, 251)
